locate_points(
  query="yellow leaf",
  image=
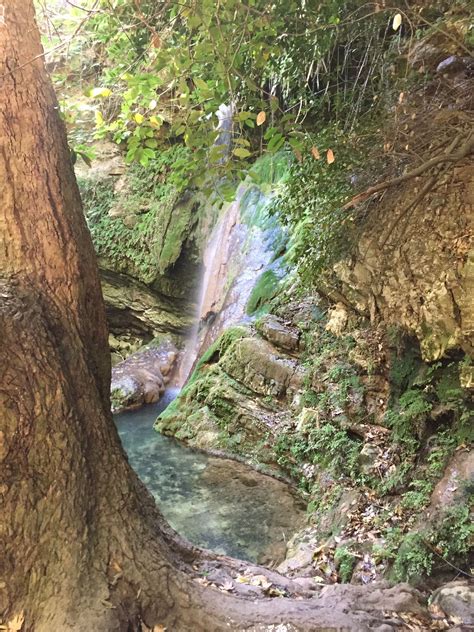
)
(139, 118)
(15, 624)
(397, 20)
(261, 118)
(315, 153)
(155, 122)
(330, 157)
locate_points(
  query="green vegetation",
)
(157, 74)
(417, 554)
(151, 219)
(311, 203)
(345, 562)
(265, 289)
(309, 84)
(427, 403)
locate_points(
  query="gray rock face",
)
(142, 377)
(367, 458)
(279, 333)
(256, 364)
(456, 599)
(403, 283)
(134, 308)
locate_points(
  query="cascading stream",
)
(237, 252)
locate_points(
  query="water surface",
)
(215, 503)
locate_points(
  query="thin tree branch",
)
(51, 50)
(466, 149)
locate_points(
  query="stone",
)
(454, 64)
(130, 221)
(466, 376)
(404, 284)
(367, 458)
(300, 563)
(135, 310)
(279, 333)
(456, 599)
(338, 318)
(307, 419)
(256, 364)
(139, 379)
(449, 490)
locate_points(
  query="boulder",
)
(141, 378)
(456, 599)
(279, 333)
(256, 364)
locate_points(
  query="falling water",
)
(236, 254)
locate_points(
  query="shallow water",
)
(215, 503)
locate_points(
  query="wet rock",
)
(456, 599)
(279, 333)
(141, 378)
(256, 364)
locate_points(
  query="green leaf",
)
(194, 21)
(241, 152)
(244, 116)
(200, 83)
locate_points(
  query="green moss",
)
(312, 200)
(345, 562)
(272, 168)
(205, 387)
(413, 560)
(220, 346)
(265, 289)
(146, 235)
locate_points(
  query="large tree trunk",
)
(84, 546)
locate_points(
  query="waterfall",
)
(237, 252)
(241, 245)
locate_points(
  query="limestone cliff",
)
(148, 235)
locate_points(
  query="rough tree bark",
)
(83, 546)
